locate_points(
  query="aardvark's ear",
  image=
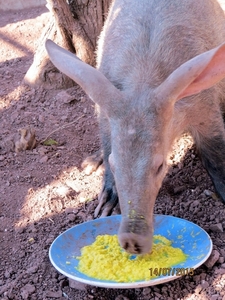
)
(93, 82)
(196, 75)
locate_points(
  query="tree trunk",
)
(75, 26)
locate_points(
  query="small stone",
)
(44, 159)
(212, 259)
(157, 295)
(8, 273)
(71, 217)
(42, 151)
(195, 203)
(208, 193)
(220, 271)
(197, 173)
(32, 269)
(27, 290)
(64, 97)
(22, 254)
(221, 260)
(146, 291)
(77, 285)
(223, 266)
(69, 210)
(41, 119)
(214, 297)
(216, 227)
(204, 284)
(51, 294)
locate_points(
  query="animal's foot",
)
(108, 197)
(93, 162)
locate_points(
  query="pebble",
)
(146, 291)
(51, 294)
(77, 285)
(220, 271)
(212, 259)
(33, 269)
(216, 227)
(27, 290)
(7, 275)
(221, 260)
(197, 278)
(42, 151)
(214, 297)
(222, 251)
(196, 203)
(208, 193)
(69, 210)
(44, 159)
(157, 295)
(204, 284)
(64, 97)
(71, 217)
(41, 119)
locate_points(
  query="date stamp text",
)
(171, 271)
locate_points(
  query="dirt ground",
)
(44, 191)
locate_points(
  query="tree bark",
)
(75, 26)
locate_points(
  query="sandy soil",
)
(44, 191)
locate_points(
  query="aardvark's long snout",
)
(135, 236)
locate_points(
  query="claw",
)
(108, 207)
(108, 199)
(97, 210)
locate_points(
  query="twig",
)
(62, 127)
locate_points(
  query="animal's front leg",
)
(108, 197)
(211, 148)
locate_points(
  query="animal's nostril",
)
(126, 246)
(134, 243)
(137, 248)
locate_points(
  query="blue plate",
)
(191, 238)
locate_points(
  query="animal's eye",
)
(159, 169)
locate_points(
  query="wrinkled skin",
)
(160, 72)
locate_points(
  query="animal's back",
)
(146, 40)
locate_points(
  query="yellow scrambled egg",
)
(104, 259)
